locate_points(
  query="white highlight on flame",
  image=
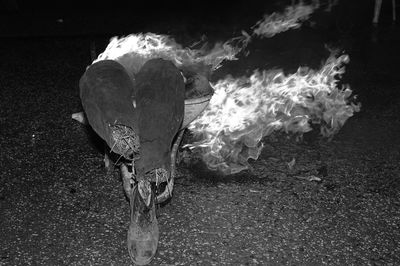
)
(276, 23)
(134, 50)
(244, 110)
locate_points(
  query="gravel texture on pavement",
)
(59, 206)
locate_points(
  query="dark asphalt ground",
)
(59, 206)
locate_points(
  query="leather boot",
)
(143, 233)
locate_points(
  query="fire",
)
(276, 23)
(244, 110)
(134, 50)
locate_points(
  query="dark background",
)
(38, 18)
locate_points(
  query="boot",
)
(143, 233)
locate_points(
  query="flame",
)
(244, 110)
(276, 23)
(134, 50)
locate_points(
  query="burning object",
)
(144, 89)
(143, 134)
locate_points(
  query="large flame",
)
(244, 110)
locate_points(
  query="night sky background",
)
(35, 18)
